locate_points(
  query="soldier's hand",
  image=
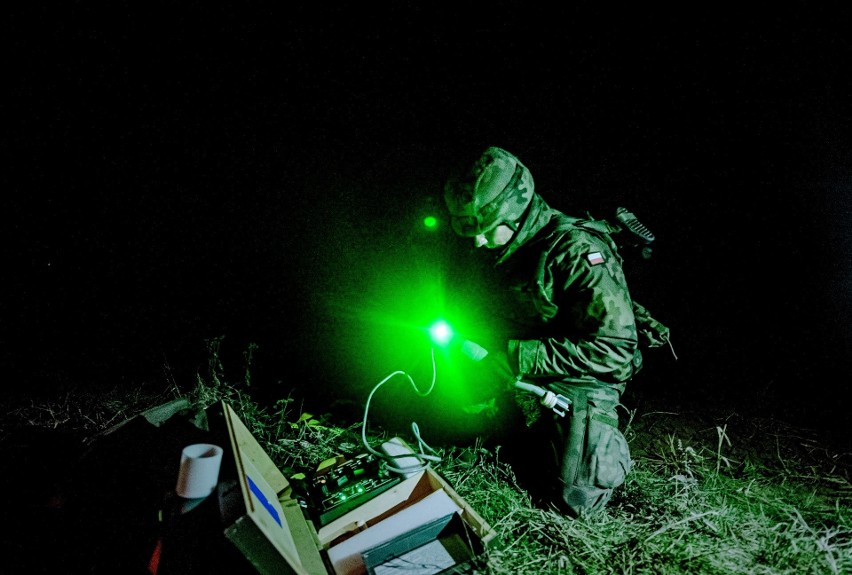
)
(654, 333)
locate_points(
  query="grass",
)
(708, 494)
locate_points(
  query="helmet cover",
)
(495, 190)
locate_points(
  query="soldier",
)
(566, 321)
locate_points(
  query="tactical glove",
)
(651, 332)
(494, 378)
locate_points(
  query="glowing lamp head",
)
(440, 332)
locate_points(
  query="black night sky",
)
(177, 172)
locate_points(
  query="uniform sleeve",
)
(593, 332)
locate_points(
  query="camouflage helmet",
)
(495, 190)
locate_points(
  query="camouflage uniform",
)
(569, 321)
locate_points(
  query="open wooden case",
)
(420, 519)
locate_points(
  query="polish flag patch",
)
(595, 258)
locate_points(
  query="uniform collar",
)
(538, 214)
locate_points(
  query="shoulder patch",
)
(595, 258)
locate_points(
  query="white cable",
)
(539, 391)
(422, 456)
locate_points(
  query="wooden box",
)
(270, 527)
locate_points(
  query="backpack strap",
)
(599, 228)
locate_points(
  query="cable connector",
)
(558, 403)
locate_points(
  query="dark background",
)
(175, 173)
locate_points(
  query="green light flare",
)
(440, 332)
(430, 222)
(380, 318)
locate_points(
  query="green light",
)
(430, 222)
(441, 332)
